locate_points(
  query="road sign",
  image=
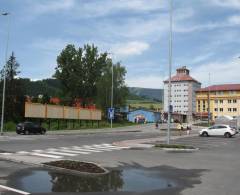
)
(111, 113)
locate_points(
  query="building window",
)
(216, 109)
(229, 109)
(234, 109)
(216, 101)
(229, 101)
(221, 109)
(232, 92)
(234, 101)
(220, 93)
(221, 101)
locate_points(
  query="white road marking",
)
(60, 153)
(85, 149)
(110, 147)
(22, 152)
(14, 190)
(37, 150)
(96, 148)
(45, 155)
(6, 153)
(74, 151)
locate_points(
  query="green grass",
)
(147, 104)
(174, 146)
(11, 126)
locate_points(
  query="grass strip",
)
(174, 146)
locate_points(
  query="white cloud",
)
(201, 58)
(234, 20)
(227, 3)
(51, 6)
(221, 72)
(130, 48)
(151, 81)
(50, 45)
(103, 8)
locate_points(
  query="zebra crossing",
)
(72, 151)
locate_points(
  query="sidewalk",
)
(133, 128)
(149, 142)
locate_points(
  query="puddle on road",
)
(126, 179)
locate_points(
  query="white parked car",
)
(218, 130)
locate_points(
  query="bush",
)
(10, 126)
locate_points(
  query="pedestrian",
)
(188, 129)
(156, 125)
(179, 127)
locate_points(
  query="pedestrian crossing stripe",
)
(61, 152)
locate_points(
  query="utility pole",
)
(170, 71)
(209, 102)
(238, 108)
(4, 71)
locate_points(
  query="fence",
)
(35, 110)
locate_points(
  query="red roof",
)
(181, 77)
(225, 87)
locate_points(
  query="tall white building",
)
(183, 93)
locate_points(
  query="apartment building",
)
(224, 100)
(183, 96)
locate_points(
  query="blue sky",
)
(205, 36)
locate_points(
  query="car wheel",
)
(42, 132)
(26, 132)
(227, 135)
(205, 134)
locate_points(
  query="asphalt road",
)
(211, 170)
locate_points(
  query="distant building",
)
(183, 96)
(143, 115)
(224, 100)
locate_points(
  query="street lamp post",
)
(111, 118)
(4, 72)
(112, 96)
(170, 72)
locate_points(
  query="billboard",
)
(36, 110)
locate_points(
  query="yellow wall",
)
(224, 96)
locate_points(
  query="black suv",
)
(29, 127)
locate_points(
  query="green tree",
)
(14, 98)
(85, 73)
(104, 86)
(79, 69)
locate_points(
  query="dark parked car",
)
(29, 127)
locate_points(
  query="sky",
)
(206, 36)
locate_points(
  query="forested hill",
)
(52, 87)
(147, 93)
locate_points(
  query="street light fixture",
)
(4, 71)
(170, 72)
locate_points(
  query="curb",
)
(179, 149)
(75, 171)
(58, 168)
